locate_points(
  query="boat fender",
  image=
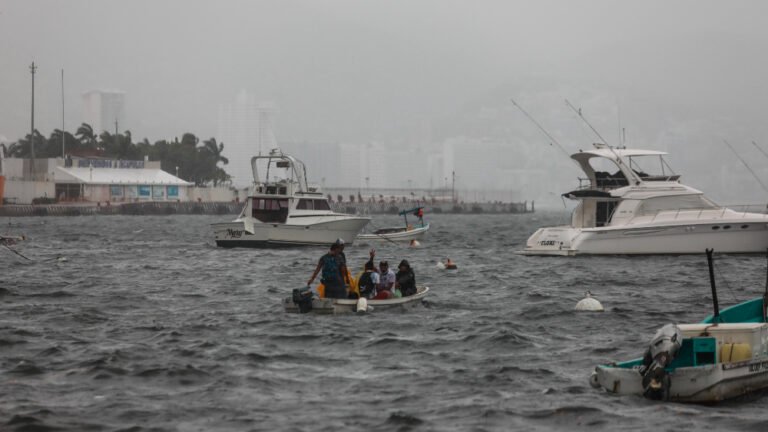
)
(589, 304)
(362, 305)
(660, 353)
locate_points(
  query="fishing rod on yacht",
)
(605, 143)
(746, 165)
(578, 112)
(761, 150)
(541, 128)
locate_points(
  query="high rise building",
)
(246, 127)
(101, 108)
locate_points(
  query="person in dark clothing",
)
(405, 279)
(368, 281)
(342, 258)
(331, 277)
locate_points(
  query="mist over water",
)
(148, 326)
(412, 79)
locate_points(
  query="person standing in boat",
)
(346, 276)
(405, 279)
(331, 266)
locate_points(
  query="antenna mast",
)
(62, 114)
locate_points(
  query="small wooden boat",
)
(341, 306)
(407, 232)
(723, 357)
(7, 240)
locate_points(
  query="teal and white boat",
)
(406, 232)
(723, 357)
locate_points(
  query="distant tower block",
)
(101, 108)
(247, 128)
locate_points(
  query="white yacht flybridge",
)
(286, 211)
(626, 211)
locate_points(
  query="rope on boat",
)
(16, 252)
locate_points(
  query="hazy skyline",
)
(359, 71)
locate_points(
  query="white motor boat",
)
(406, 232)
(285, 211)
(632, 212)
(723, 357)
(328, 306)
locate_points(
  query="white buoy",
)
(440, 265)
(589, 304)
(362, 305)
(415, 243)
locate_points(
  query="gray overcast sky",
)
(358, 70)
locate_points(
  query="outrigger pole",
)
(761, 150)
(745, 164)
(716, 316)
(541, 128)
(765, 294)
(578, 111)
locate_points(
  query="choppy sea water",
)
(146, 326)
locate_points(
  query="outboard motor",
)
(302, 297)
(660, 353)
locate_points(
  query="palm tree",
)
(216, 150)
(86, 136)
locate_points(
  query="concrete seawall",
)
(232, 208)
(146, 208)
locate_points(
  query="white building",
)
(102, 108)
(92, 180)
(246, 127)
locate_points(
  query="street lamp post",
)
(32, 69)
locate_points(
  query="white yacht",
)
(285, 211)
(628, 211)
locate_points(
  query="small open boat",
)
(340, 306)
(9, 240)
(723, 357)
(403, 233)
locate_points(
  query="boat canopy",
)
(409, 211)
(619, 167)
(587, 193)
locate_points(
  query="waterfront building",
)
(82, 180)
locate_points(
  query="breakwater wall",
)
(451, 208)
(224, 208)
(145, 208)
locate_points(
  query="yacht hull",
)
(726, 237)
(265, 235)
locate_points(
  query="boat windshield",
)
(676, 202)
(607, 174)
(269, 210)
(652, 168)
